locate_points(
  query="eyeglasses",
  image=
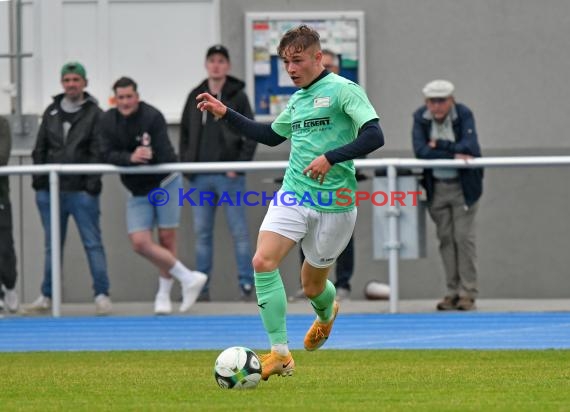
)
(439, 100)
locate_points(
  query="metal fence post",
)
(394, 241)
(55, 243)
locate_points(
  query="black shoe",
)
(204, 297)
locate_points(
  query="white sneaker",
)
(342, 294)
(162, 304)
(11, 300)
(191, 290)
(103, 305)
(41, 304)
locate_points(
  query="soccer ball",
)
(237, 368)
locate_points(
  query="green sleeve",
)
(355, 104)
(282, 124)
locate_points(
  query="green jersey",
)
(323, 117)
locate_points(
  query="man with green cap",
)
(69, 134)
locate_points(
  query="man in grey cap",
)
(444, 129)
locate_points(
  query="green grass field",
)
(326, 380)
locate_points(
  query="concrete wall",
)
(509, 62)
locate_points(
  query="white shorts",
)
(323, 236)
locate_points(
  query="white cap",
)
(438, 88)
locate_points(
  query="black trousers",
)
(8, 272)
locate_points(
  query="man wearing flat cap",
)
(205, 138)
(69, 134)
(444, 129)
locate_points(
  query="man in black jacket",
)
(69, 134)
(8, 273)
(203, 138)
(444, 129)
(134, 134)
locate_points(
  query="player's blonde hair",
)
(298, 39)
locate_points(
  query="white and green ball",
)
(237, 368)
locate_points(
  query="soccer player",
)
(329, 121)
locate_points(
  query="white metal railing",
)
(391, 165)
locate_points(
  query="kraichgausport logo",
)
(342, 197)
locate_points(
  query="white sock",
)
(165, 285)
(281, 348)
(181, 272)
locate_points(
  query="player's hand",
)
(432, 143)
(318, 169)
(208, 102)
(231, 174)
(141, 155)
(463, 156)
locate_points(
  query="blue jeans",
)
(85, 210)
(204, 216)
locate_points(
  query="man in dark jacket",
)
(444, 129)
(69, 134)
(135, 134)
(8, 273)
(203, 138)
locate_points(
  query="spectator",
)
(135, 133)
(8, 273)
(204, 138)
(444, 129)
(69, 134)
(329, 122)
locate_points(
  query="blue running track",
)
(352, 331)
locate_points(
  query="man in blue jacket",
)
(444, 129)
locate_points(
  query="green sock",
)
(323, 304)
(272, 302)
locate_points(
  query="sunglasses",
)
(439, 100)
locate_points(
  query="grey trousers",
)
(455, 225)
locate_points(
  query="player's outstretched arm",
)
(260, 132)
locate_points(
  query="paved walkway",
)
(302, 307)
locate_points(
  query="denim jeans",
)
(85, 210)
(204, 216)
